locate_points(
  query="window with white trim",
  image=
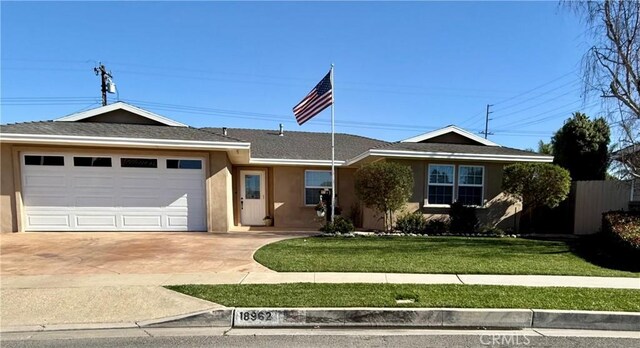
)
(314, 182)
(440, 182)
(470, 185)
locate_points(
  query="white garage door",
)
(79, 192)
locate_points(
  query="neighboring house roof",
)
(120, 106)
(449, 129)
(94, 133)
(295, 147)
(454, 151)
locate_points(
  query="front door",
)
(252, 197)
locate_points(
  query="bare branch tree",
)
(612, 69)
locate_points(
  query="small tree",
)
(581, 146)
(536, 184)
(384, 187)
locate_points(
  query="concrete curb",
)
(443, 318)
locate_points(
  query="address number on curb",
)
(255, 316)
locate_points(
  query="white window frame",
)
(312, 187)
(453, 185)
(472, 185)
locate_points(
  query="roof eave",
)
(117, 142)
(295, 162)
(451, 156)
(449, 129)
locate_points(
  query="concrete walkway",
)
(103, 280)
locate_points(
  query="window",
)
(184, 164)
(470, 185)
(139, 163)
(252, 186)
(440, 179)
(314, 182)
(44, 160)
(92, 161)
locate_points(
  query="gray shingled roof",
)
(458, 148)
(264, 143)
(301, 145)
(116, 130)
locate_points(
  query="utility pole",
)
(104, 77)
(486, 122)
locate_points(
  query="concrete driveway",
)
(88, 253)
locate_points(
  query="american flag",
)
(320, 97)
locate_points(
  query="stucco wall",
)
(8, 216)
(220, 193)
(499, 210)
(289, 209)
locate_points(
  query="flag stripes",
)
(320, 97)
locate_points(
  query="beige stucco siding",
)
(220, 193)
(8, 215)
(498, 210)
(218, 183)
(289, 209)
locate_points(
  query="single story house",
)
(122, 168)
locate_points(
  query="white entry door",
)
(252, 197)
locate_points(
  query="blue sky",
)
(400, 68)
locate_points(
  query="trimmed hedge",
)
(622, 229)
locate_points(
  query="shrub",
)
(384, 187)
(463, 218)
(339, 225)
(412, 223)
(491, 230)
(437, 226)
(622, 230)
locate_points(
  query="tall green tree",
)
(536, 185)
(384, 187)
(545, 148)
(582, 147)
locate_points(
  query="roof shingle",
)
(300, 145)
(114, 130)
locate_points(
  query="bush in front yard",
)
(437, 226)
(412, 223)
(339, 225)
(622, 229)
(463, 218)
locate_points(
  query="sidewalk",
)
(111, 280)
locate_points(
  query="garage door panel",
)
(45, 181)
(102, 182)
(140, 182)
(94, 201)
(67, 198)
(141, 221)
(96, 221)
(48, 200)
(48, 220)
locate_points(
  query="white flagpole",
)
(333, 150)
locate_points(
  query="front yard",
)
(385, 295)
(455, 255)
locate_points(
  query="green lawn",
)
(440, 255)
(385, 295)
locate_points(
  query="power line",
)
(537, 87)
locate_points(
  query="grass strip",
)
(440, 255)
(441, 295)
